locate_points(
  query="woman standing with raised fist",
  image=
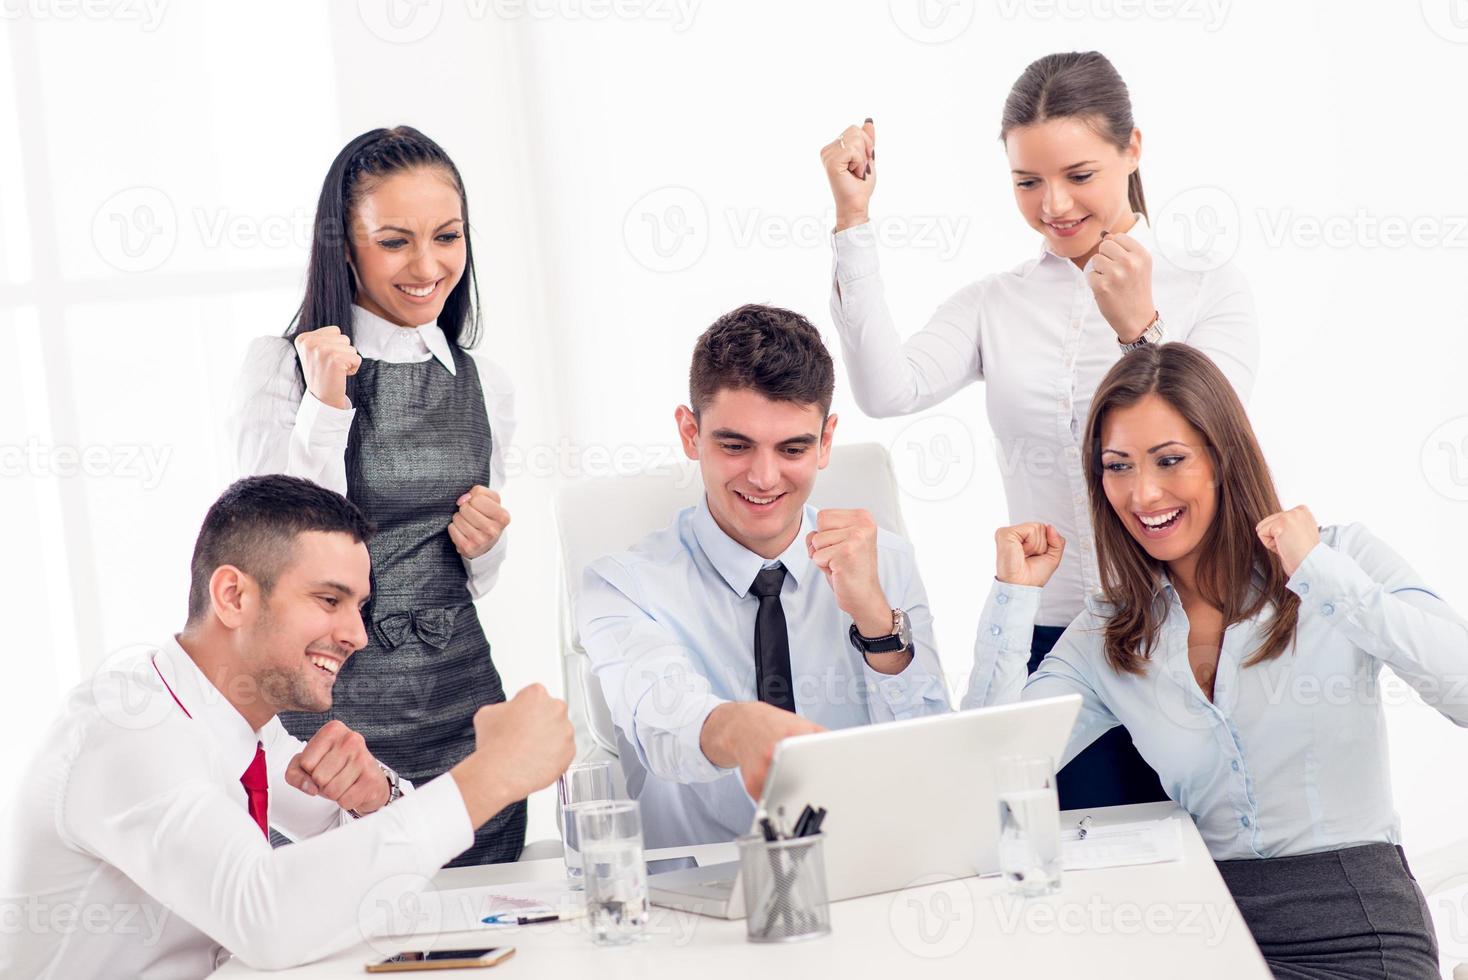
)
(373, 393)
(1044, 333)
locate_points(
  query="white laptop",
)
(904, 800)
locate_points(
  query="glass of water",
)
(615, 872)
(583, 783)
(1029, 825)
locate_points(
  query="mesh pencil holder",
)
(784, 889)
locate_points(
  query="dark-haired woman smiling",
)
(1242, 645)
(373, 393)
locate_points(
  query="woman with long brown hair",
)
(1242, 646)
(1041, 335)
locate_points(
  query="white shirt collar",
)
(737, 564)
(203, 702)
(381, 340)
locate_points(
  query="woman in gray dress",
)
(374, 393)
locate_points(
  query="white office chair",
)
(601, 515)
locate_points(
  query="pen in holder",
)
(784, 888)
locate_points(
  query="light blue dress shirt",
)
(1290, 756)
(669, 627)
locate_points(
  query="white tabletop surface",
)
(1161, 920)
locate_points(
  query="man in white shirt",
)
(139, 836)
(753, 617)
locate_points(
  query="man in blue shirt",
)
(752, 617)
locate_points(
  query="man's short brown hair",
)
(764, 349)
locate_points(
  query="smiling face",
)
(1159, 478)
(408, 245)
(311, 622)
(759, 458)
(1071, 183)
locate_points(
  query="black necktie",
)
(772, 681)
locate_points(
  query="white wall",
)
(583, 129)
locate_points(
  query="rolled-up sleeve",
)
(656, 696)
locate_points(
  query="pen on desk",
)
(1084, 827)
(505, 919)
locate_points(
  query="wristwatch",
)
(899, 639)
(394, 790)
(1152, 335)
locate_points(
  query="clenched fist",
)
(327, 360)
(1027, 554)
(850, 162)
(1290, 534)
(844, 547)
(1121, 279)
(336, 764)
(520, 746)
(480, 521)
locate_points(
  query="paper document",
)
(465, 909)
(1116, 845)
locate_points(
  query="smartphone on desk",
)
(442, 959)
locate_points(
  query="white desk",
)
(1163, 920)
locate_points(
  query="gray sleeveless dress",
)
(420, 438)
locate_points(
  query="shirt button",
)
(1328, 608)
(994, 631)
(1304, 588)
(1244, 821)
(1003, 599)
(1235, 765)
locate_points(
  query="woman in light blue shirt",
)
(1242, 647)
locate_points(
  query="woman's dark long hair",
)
(1231, 554)
(360, 166)
(1082, 85)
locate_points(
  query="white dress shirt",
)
(1037, 338)
(280, 427)
(669, 628)
(132, 852)
(1290, 756)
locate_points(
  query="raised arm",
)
(282, 426)
(1026, 555)
(1374, 599)
(888, 376)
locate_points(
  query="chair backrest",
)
(600, 515)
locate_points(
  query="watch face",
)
(904, 629)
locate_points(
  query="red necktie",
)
(257, 789)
